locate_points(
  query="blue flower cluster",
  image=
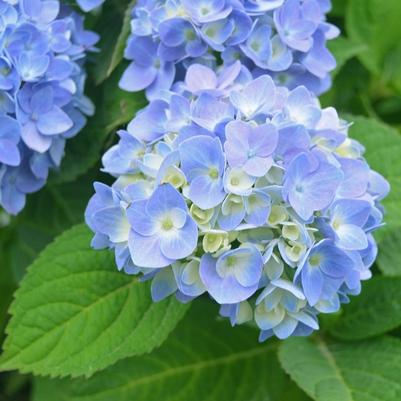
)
(42, 50)
(244, 190)
(284, 38)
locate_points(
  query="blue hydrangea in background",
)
(43, 46)
(244, 190)
(285, 38)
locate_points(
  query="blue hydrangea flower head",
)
(284, 38)
(42, 50)
(243, 190)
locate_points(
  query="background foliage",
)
(79, 330)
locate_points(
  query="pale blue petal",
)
(351, 237)
(258, 206)
(163, 285)
(249, 266)
(137, 78)
(206, 192)
(149, 124)
(164, 199)
(181, 243)
(34, 139)
(351, 211)
(208, 112)
(113, 223)
(199, 154)
(199, 77)
(333, 261)
(257, 96)
(224, 290)
(140, 220)
(285, 328)
(146, 252)
(56, 121)
(312, 283)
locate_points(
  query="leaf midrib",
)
(197, 366)
(326, 353)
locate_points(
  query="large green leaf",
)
(204, 359)
(383, 150)
(376, 24)
(75, 313)
(114, 108)
(331, 371)
(375, 311)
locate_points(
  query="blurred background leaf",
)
(376, 24)
(375, 311)
(331, 371)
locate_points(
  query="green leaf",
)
(389, 259)
(7, 283)
(344, 49)
(339, 7)
(114, 108)
(114, 28)
(204, 359)
(75, 313)
(113, 53)
(346, 92)
(7, 287)
(376, 24)
(332, 371)
(383, 150)
(375, 311)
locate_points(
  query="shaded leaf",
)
(389, 259)
(375, 311)
(344, 49)
(332, 371)
(7, 282)
(376, 24)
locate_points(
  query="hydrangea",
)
(246, 191)
(43, 47)
(284, 38)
